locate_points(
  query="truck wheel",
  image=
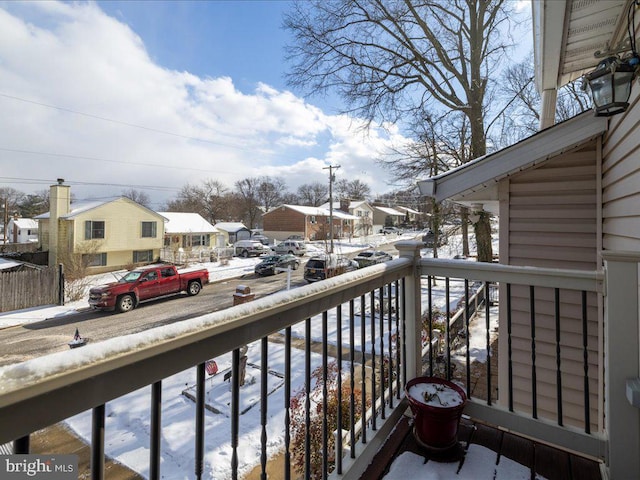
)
(245, 253)
(290, 252)
(125, 303)
(194, 288)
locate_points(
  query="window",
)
(312, 219)
(149, 229)
(140, 256)
(167, 272)
(93, 229)
(95, 259)
(200, 240)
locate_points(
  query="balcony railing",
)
(377, 325)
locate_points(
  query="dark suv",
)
(327, 266)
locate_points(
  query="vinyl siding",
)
(620, 180)
(551, 216)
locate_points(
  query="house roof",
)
(410, 210)
(321, 211)
(28, 223)
(389, 211)
(476, 182)
(82, 207)
(230, 227)
(183, 222)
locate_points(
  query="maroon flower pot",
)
(436, 417)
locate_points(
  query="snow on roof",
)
(6, 264)
(407, 209)
(180, 222)
(321, 211)
(78, 208)
(389, 210)
(25, 222)
(230, 227)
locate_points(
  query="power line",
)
(34, 181)
(82, 157)
(119, 122)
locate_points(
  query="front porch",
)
(377, 324)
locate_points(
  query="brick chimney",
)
(344, 204)
(59, 205)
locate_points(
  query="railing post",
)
(622, 357)
(413, 310)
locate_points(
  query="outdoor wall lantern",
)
(610, 84)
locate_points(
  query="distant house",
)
(233, 231)
(22, 230)
(363, 224)
(411, 217)
(386, 217)
(110, 235)
(188, 234)
(311, 223)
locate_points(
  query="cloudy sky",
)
(154, 95)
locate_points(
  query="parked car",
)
(428, 239)
(270, 264)
(261, 238)
(386, 230)
(293, 247)
(146, 283)
(326, 266)
(296, 237)
(371, 257)
(249, 248)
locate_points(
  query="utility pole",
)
(331, 168)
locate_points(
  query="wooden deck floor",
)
(551, 463)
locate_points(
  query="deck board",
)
(552, 463)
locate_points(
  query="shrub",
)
(300, 431)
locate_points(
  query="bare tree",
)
(247, 192)
(137, 196)
(33, 204)
(392, 58)
(212, 200)
(520, 117)
(313, 194)
(270, 191)
(353, 190)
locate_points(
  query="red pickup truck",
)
(145, 283)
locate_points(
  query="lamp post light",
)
(610, 84)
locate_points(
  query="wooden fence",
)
(29, 288)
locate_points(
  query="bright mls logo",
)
(45, 467)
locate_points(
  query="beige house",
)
(111, 235)
(362, 225)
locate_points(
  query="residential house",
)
(112, 235)
(22, 230)
(386, 217)
(233, 231)
(412, 218)
(189, 235)
(363, 225)
(312, 223)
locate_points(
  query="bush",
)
(300, 431)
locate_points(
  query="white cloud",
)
(115, 102)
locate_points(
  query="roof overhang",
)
(476, 183)
(568, 33)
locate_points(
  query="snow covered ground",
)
(127, 418)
